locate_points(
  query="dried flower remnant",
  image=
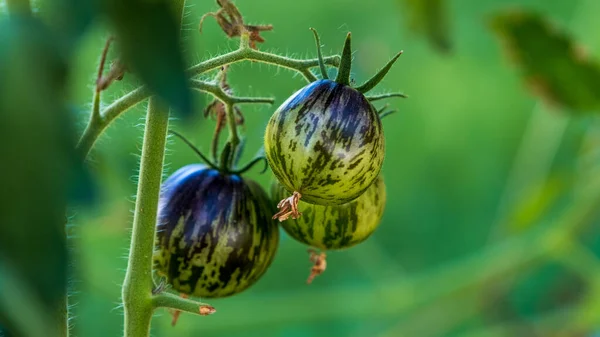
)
(288, 207)
(232, 23)
(319, 264)
(206, 310)
(116, 71)
(203, 310)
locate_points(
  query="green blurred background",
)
(478, 172)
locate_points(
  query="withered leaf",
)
(232, 23)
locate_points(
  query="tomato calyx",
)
(343, 75)
(345, 67)
(225, 165)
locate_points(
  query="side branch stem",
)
(97, 125)
(168, 300)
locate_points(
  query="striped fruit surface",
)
(326, 142)
(336, 226)
(215, 235)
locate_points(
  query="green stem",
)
(226, 158)
(168, 300)
(137, 288)
(195, 149)
(99, 122)
(251, 165)
(216, 90)
(283, 62)
(245, 40)
(234, 138)
(18, 7)
(301, 66)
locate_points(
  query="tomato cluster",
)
(325, 145)
(217, 232)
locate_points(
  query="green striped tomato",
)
(215, 235)
(325, 142)
(336, 226)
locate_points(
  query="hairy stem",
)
(301, 66)
(168, 300)
(216, 90)
(137, 288)
(99, 122)
(95, 127)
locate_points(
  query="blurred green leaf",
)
(535, 202)
(39, 161)
(70, 18)
(148, 34)
(22, 309)
(536, 291)
(429, 18)
(552, 64)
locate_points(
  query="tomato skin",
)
(215, 235)
(336, 226)
(326, 142)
